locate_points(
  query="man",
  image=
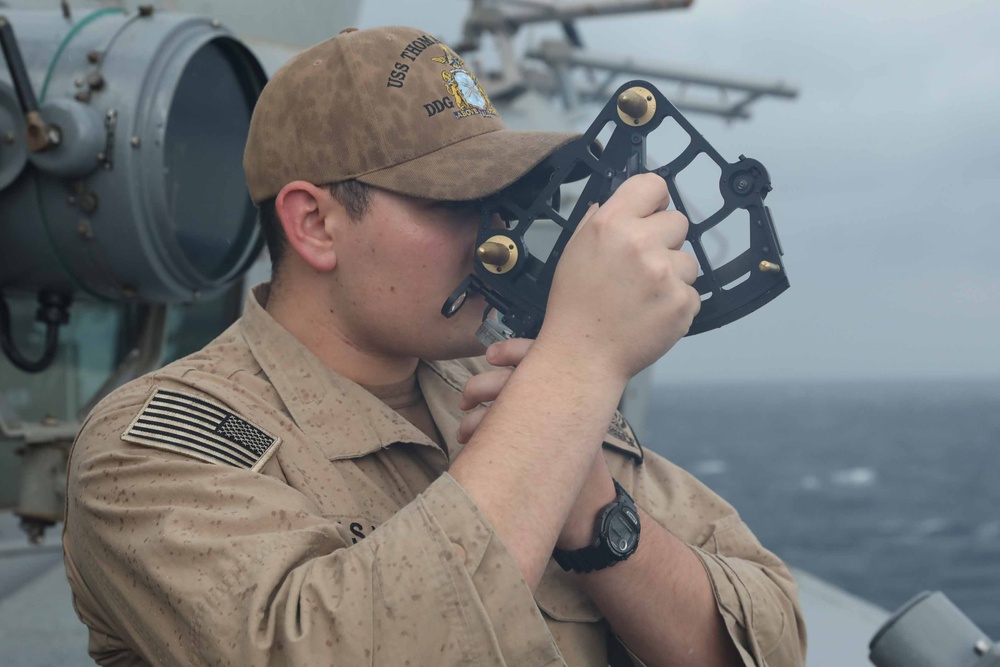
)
(306, 489)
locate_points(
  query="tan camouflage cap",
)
(390, 107)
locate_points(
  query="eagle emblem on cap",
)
(470, 98)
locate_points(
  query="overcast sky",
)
(885, 172)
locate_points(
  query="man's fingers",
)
(638, 197)
(470, 423)
(673, 225)
(508, 352)
(483, 388)
(685, 266)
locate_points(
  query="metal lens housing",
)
(152, 205)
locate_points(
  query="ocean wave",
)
(710, 467)
(854, 477)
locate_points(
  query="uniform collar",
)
(339, 415)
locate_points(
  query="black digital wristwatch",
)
(616, 537)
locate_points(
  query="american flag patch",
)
(180, 422)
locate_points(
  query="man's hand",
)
(485, 387)
(622, 296)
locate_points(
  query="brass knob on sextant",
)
(636, 106)
(494, 253)
(498, 254)
(632, 103)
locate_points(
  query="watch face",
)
(622, 531)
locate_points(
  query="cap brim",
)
(470, 169)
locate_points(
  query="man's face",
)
(396, 267)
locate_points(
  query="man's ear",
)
(303, 209)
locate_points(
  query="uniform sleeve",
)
(197, 563)
(754, 590)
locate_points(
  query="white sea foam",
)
(988, 531)
(854, 477)
(810, 483)
(930, 526)
(710, 467)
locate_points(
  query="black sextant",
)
(516, 283)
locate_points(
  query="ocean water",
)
(885, 489)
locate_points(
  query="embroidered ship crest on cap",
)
(469, 96)
(187, 424)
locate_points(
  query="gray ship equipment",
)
(930, 631)
(122, 179)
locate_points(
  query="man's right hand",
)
(622, 293)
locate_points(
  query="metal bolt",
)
(49, 420)
(609, 173)
(35, 531)
(135, 141)
(78, 83)
(9, 138)
(85, 231)
(216, 23)
(93, 56)
(83, 96)
(146, 11)
(88, 202)
(95, 80)
(982, 647)
(71, 200)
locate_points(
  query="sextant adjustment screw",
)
(743, 183)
